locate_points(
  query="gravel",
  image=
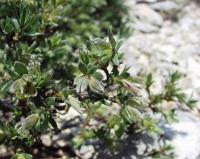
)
(173, 44)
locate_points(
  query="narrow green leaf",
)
(16, 25)
(98, 76)
(6, 85)
(175, 76)
(111, 38)
(83, 68)
(92, 69)
(148, 80)
(115, 60)
(119, 44)
(84, 58)
(50, 101)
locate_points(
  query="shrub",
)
(44, 74)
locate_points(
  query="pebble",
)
(146, 1)
(46, 140)
(86, 152)
(165, 6)
(187, 136)
(145, 18)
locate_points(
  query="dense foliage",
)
(50, 62)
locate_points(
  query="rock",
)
(146, 1)
(129, 3)
(169, 49)
(3, 150)
(145, 27)
(186, 23)
(145, 19)
(143, 60)
(61, 143)
(61, 139)
(165, 6)
(182, 2)
(169, 9)
(187, 136)
(169, 105)
(46, 140)
(71, 114)
(86, 152)
(148, 15)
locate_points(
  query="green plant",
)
(55, 28)
(43, 74)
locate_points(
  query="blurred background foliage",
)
(55, 28)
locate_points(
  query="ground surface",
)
(166, 37)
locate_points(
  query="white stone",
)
(144, 27)
(146, 1)
(165, 6)
(46, 140)
(174, 46)
(146, 14)
(86, 151)
(187, 138)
